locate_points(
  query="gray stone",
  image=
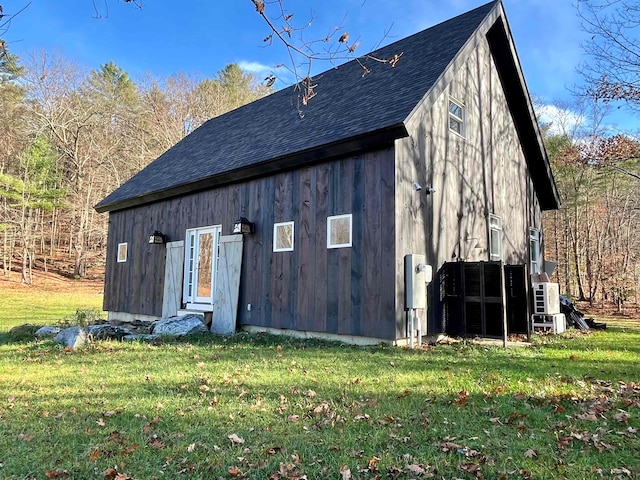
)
(47, 332)
(23, 332)
(178, 326)
(136, 326)
(72, 337)
(107, 332)
(140, 337)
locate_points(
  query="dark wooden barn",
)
(439, 156)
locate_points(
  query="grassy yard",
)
(263, 407)
(45, 303)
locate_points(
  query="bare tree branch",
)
(612, 71)
(336, 46)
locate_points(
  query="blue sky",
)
(202, 36)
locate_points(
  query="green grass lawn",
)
(24, 304)
(263, 407)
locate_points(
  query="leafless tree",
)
(612, 70)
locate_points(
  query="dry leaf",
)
(234, 471)
(259, 6)
(416, 469)
(191, 447)
(56, 474)
(235, 438)
(530, 453)
(293, 418)
(157, 444)
(621, 471)
(130, 450)
(110, 473)
(100, 422)
(345, 472)
(344, 37)
(621, 417)
(95, 455)
(590, 416)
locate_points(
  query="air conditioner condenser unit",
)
(546, 298)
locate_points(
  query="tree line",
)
(70, 137)
(594, 234)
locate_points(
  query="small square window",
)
(339, 231)
(456, 117)
(122, 252)
(283, 237)
(495, 238)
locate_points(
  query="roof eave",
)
(521, 107)
(349, 146)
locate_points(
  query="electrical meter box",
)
(417, 274)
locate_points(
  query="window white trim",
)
(332, 240)
(495, 237)
(122, 252)
(457, 117)
(281, 228)
(534, 250)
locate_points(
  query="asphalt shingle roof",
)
(347, 105)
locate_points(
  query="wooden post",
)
(503, 304)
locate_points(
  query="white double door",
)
(202, 248)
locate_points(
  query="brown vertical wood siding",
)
(346, 291)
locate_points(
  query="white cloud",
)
(255, 67)
(562, 120)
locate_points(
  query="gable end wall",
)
(484, 172)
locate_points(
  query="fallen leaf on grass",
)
(590, 416)
(345, 472)
(235, 438)
(235, 471)
(621, 471)
(449, 446)
(530, 453)
(112, 474)
(372, 464)
(156, 443)
(472, 468)
(415, 469)
(461, 397)
(621, 417)
(100, 422)
(564, 442)
(25, 437)
(56, 474)
(272, 450)
(293, 418)
(130, 450)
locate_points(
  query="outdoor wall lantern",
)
(243, 227)
(157, 238)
